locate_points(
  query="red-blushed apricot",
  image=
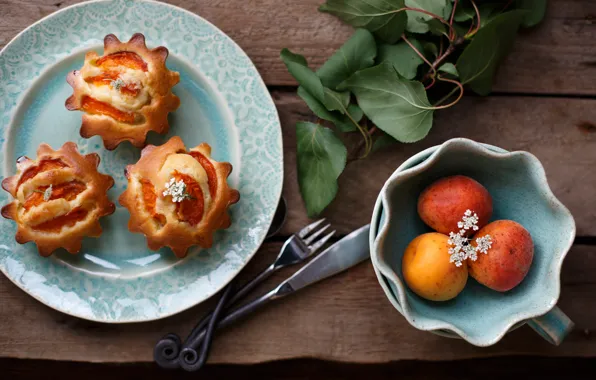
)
(509, 258)
(427, 270)
(443, 204)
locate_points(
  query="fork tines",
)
(311, 241)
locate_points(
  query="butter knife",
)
(344, 254)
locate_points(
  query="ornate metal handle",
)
(238, 296)
(168, 350)
(191, 361)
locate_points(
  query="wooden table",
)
(543, 102)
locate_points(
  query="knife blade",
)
(344, 254)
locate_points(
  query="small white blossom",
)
(47, 194)
(469, 221)
(456, 257)
(484, 243)
(457, 240)
(461, 249)
(470, 252)
(117, 84)
(177, 189)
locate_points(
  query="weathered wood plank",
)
(345, 318)
(555, 58)
(553, 129)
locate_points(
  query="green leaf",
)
(488, 11)
(417, 20)
(463, 13)
(536, 11)
(307, 79)
(449, 68)
(321, 157)
(478, 63)
(336, 101)
(383, 142)
(403, 58)
(460, 30)
(382, 17)
(342, 122)
(357, 53)
(431, 49)
(437, 28)
(397, 106)
(355, 112)
(298, 67)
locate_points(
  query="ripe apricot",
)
(443, 204)
(427, 270)
(509, 258)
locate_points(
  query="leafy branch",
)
(406, 60)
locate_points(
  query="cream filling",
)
(113, 96)
(45, 178)
(44, 212)
(185, 164)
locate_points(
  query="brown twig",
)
(432, 83)
(361, 144)
(459, 87)
(442, 58)
(469, 34)
(451, 37)
(451, 30)
(403, 36)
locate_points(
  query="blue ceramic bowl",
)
(520, 192)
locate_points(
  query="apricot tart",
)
(58, 198)
(125, 93)
(178, 197)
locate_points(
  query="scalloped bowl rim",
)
(385, 273)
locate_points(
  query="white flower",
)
(117, 84)
(470, 252)
(461, 249)
(484, 243)
(47, 194)
(469, 221)
(177, 189)
(457, 240)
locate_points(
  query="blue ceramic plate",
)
(224, 102)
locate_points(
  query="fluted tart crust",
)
(58, 198)
(177, 197)
(125, 93)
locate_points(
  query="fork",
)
(169, 351)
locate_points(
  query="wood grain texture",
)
(553, 129)
(557, 57)
(345, 318)
(348, 318)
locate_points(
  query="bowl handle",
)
(552, 326)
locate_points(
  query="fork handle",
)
(192, 341)
(253, 284)
(242, 311)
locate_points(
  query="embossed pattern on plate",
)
(224, 102)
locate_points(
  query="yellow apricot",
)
(427, 270)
